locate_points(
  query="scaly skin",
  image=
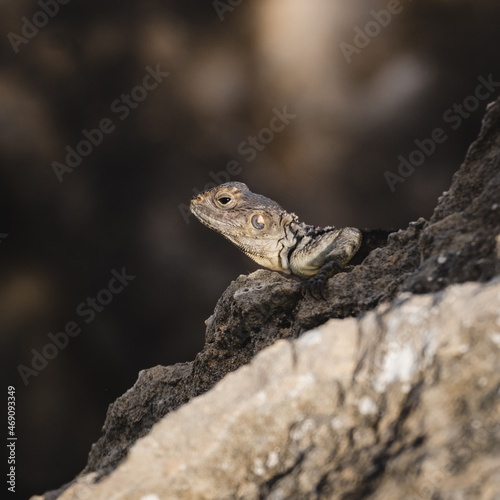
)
(273, 237)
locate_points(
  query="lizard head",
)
(254, 223)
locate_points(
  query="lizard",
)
(273, 237)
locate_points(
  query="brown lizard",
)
(273, 237)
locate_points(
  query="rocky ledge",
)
(397, 396)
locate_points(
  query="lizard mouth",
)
(204, 216)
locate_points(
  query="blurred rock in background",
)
(353, 88)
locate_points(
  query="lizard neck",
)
(292, 230)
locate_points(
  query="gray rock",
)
(402, 403)
(390, 405)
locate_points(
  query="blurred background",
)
(347, 104)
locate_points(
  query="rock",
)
(132, 415)
(402, 403)
(383, 405)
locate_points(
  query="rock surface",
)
(402, 403)
(399, 403)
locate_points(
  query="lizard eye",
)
(224, 199)
(258, 222)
